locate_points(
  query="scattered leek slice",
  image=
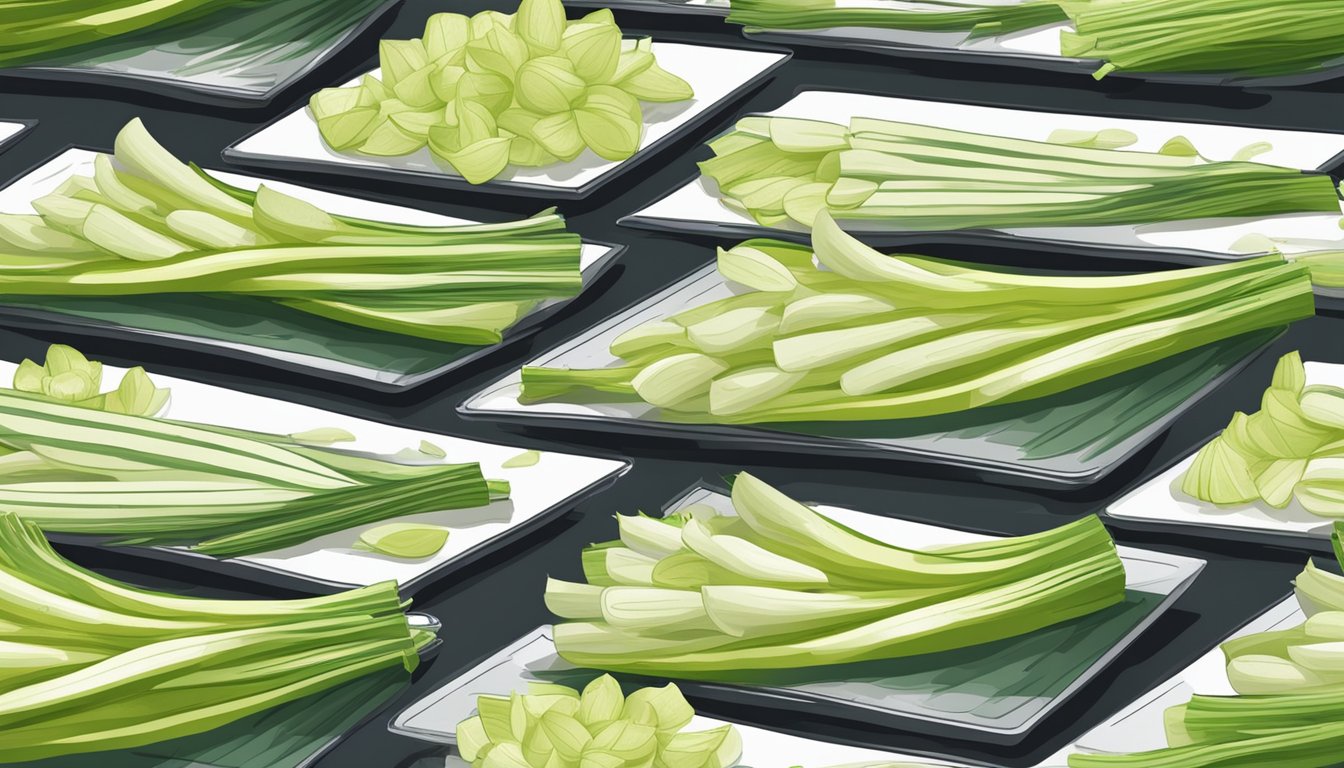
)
(404, 540)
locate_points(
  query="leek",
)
(914, 15)
(1219, 37)
(778, 586)
(148, 224)
(926, 178)
(128, 667)
(863, 336)
(1288, 707)
(93, 465)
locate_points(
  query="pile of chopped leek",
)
(1292, 448)
(93, 664)
(1223, 37)
(976, 19)
(528, 89)
(784, 171)
(32, 31)
(1289, 710)
(103, 465)
(775, 586)
(145, 223)
(554, 726)
(859, 335)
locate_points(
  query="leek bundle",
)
(552, 726)
(145, 223)
(1229, 37)
(1292, 448)
(1290, 707)
(75, 465)
(93, 664)
(782, 170)
(31, 31)
(703, 595)
(859, 335)
(977, 19)
(483, 92)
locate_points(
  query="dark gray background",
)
(501, 597)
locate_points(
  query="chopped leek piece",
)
(1292, 448)
(551, 88)
(553, 725)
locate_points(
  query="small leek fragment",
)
(410, 541)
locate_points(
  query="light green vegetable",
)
(74, 468)
(861, 335)
(30, 32)
(783, 170)
(149, 224)
(1292, 448)
(524, 459)
(70, 377)
(528, 89)
(1224, 37)
(110, 666)
(1288, 707)
(778, 586)
(976, 19)
(553, 725)
(405, 540)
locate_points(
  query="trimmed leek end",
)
(408, 541)
(570, 600)
(755, 269)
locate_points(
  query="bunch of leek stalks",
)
(93, 664)
(778, 586)
(32, 31)
(73, 467)
(976, 19)
(1232, 37)
(868, 336)
(1289, 710)
(784, 171)
(145, 223)
(1292, 448)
